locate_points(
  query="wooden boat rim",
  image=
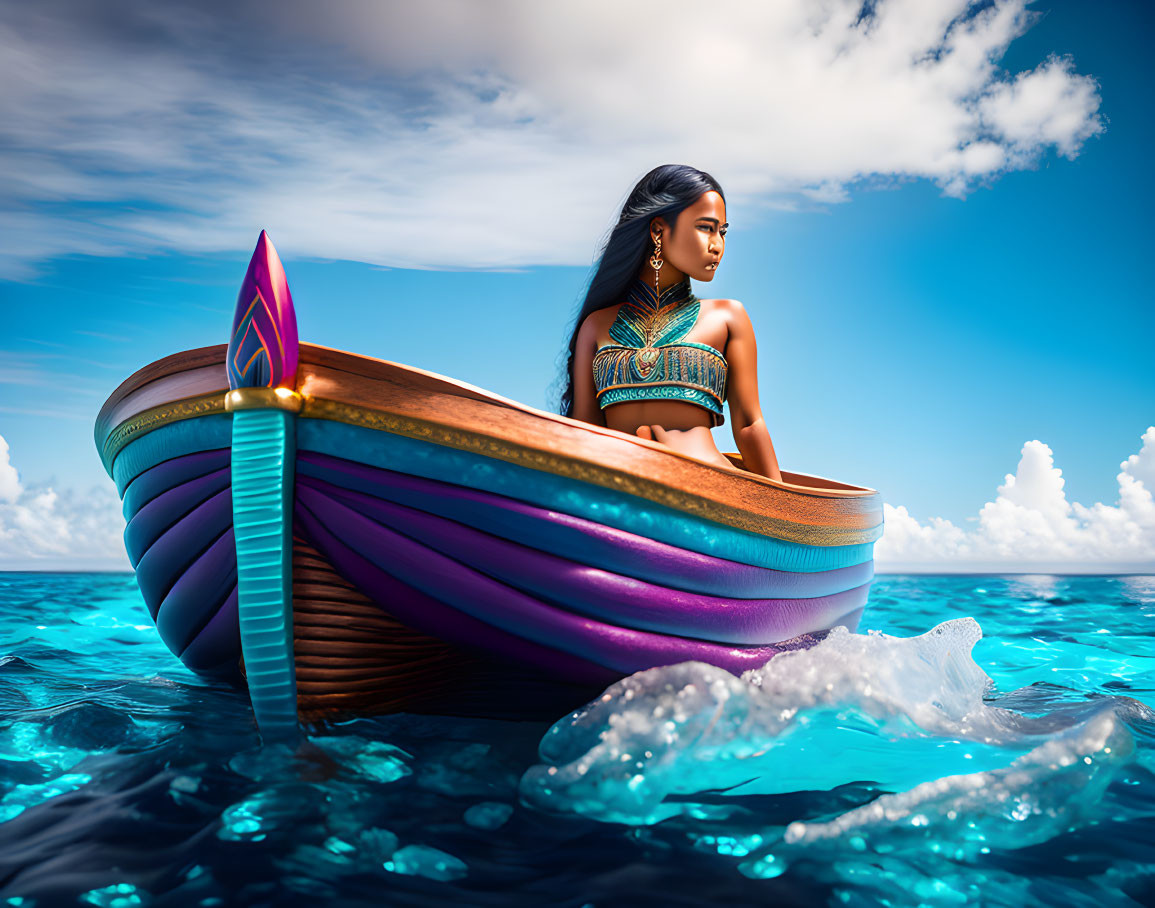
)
(186, 360)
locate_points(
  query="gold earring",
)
(656, 261)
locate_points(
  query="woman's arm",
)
(749, 428)
(585, 405)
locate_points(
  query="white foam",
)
(905, 713)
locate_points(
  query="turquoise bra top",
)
(649, 363)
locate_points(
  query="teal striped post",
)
(263, 454)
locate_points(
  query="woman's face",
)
(699, 237)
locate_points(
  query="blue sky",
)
(923, 313)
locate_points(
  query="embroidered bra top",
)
(649, 363)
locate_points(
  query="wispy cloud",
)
(1031, 525)
(49, 413)
(460, 135)
(99, 335)
(53, 372)
(22, 366)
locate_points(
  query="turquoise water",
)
(989, 741)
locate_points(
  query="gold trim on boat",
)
(145, 422)
(500, 449)
(584, 471)
(263, 399)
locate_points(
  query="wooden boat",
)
(346, 535)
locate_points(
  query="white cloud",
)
(457, 134)
(9, 479)
(1141, 467)
(1032, 526)
(43, 530)
(1047, 106)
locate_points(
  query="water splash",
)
(913, 714)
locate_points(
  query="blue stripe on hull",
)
(571, 496)
(188, 436)
(569, 538)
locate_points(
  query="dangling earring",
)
(656, 262)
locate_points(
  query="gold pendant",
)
(645, 359)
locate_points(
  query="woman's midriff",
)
(686, 426)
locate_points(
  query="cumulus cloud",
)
(9, 479)
(1032, 526)
(41, 529)
(456, 134)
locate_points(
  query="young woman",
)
(647, 357)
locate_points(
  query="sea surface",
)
(983, 740)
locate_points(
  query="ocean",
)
(982, 739)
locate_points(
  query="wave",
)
(949, 763)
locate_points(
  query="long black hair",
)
(663, 192)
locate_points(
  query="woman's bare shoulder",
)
(720, 304)
(733, 313)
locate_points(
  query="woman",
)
(648, 357)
